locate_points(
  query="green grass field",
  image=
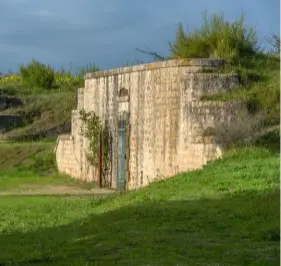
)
(29, 166)
(225, 214)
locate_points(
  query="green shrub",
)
(259, 85)
(270, 141)
(217, 37)
(35, 74)
(67, 82)
(44, 163)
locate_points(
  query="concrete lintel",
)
(195, 63)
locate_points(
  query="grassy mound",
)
(236, 44)
(259, 89)
(224, 214)
(48, 96)
(44, 115)
(37, 156)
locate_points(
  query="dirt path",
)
(56, 190)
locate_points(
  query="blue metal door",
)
(121, 166)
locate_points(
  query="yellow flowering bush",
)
(36, 76)
(60, 80)
(67, 80)
(11, 80)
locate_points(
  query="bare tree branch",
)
(155, 55)
(274, 42)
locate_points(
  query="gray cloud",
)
(107, 32)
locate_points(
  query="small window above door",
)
(123, 95)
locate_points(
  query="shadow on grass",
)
(238, 230)
(270, 141)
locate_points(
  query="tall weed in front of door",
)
(94, 129)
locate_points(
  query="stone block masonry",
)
(168, 129)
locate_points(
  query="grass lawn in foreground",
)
(225, 214)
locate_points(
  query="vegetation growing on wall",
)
(259, 72)
(217, 37)
(93, 130)
(237, 45)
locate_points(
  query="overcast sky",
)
(107, 32)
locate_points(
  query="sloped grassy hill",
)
(27, 155)
(30, 166)
(259, 88)
(224, 214)
(44, 115)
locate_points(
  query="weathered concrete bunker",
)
(158, 123)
